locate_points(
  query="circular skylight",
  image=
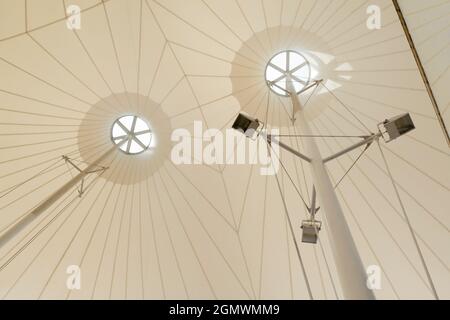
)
(287, 66)
(131, 134)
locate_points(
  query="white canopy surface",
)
(147, 228)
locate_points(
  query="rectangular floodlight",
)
(396, 127)
(311, 230)
(247, 125)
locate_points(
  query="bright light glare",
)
(284, 65)
(131, 134)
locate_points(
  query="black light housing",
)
(247, 125)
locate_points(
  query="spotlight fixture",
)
(311, 230)
(311, 227)
(396, 127)
(249, 126)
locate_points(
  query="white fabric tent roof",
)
(150, 229)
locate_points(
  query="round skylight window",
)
(288, 66)
(131, 134)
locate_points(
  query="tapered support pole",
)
(271, 139)
(366, 142)
(352, 274)
(28, 218)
